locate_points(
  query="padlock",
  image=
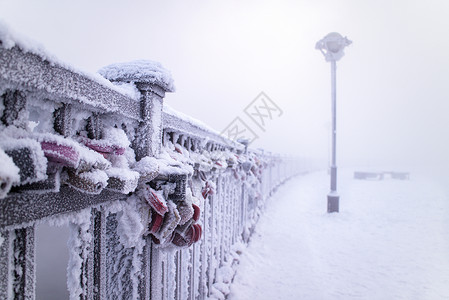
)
(155, 199)
(236, 174)
(196, 212)
(208, 189)
(103, 147)
(59, 150)
(178, 148)
(156, 222)
(28, 156)
(198, 232)
(148, 168)
(92, 182)
(90, 160)
(122, 180)
(61, 154)
(179, 193)
(186, 211)
(171, 221)
(184, 237)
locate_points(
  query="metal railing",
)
(112, 254)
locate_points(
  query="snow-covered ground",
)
(389, 241)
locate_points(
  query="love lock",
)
(122, 180)
(208, 189)
(64, 155)
(156, 222)
(103, 147)
(155, 199)
(148, 168)
(174, 211)
(90, 176)
(189, 232)
(28, 157)
(169, 224)
(187, 235)
(91, 182)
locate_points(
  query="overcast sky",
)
(392, 84)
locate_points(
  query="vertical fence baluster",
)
(17, 264)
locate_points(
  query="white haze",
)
(392, 84)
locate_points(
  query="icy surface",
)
(139, 71)
(130, 227)
(171, 111)
(389, 241)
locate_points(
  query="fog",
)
(392, 84)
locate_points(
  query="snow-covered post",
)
(152, 81)
(332, 46)
(149, 81)
(17, 264)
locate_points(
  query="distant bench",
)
(381, 175)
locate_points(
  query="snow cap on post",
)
(140, 72)
(152, 81)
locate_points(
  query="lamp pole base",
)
(333, 203)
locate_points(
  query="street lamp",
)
(332, 46)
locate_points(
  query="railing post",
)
(152, 81)
(148, 140)
(14, 102)
(17, 260)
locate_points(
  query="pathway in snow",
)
(390, 241)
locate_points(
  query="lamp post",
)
(332, 46)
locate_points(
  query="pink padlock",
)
(61, 154)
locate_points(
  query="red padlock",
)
(196, 212)
(198, 232)
(61, 154)
(156, 201)
(156, 222)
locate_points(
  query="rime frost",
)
(139, 71)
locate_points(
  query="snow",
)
(34, 165)
(9, 174)
(10, 38)
(389, 241)
(79, 239)
(173, 112)
(130, 227)
(147, 167)
(145, 71)
(127, 177)
(116, 137)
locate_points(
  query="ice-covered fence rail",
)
(31, 72)
(110, 257)
(174, 121)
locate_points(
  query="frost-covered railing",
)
(157, 204)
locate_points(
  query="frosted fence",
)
(157, 204)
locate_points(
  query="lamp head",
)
(332, 46)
